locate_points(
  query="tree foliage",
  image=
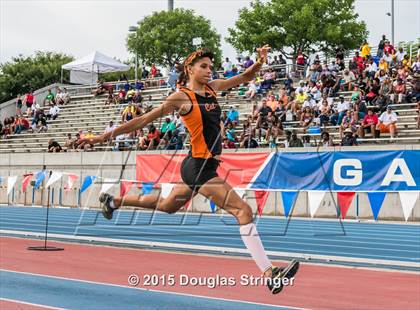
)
(166, 37)
(24, 73)
(290, 25)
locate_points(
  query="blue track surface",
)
(393, 242)
(74, 294)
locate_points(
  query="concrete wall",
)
(109, 165)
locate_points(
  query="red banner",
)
(261, 198)
(344, 202)
(125, 187)
(25, 181)
(238, 169)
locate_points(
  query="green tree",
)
(292, 25)
(24, 73)
(166, 37)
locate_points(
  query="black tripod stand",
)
(45, 247)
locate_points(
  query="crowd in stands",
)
(35, 117)
(355, 96)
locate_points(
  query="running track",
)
(96, 276)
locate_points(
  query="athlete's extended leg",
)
(179, 196)
(225, 197)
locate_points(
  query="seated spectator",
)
(348, 80)
(152, 140)
(167, 128)
(175, 142)
(130, 94)
(340, 111)
(228, 144)
(49, 99)
(53, 146)
(368, 124)
(365, 49)
(324, 113)
(137, 97)
(275, 129)
(102, 88)
(306, 118)
(233, 115)
(20, 124)
(80, 136)
(65, 96)
(247, 136)
(69, 144)
(252, 90)
(326, 140)
(398, 92)
(348, 139)
(111, 98)
(121, 96)
(110, 127)
(59, 97)
(129, 112)
(231, 133)
(388, 122)
(349, 122)
(295, 141)
(54, 111)
(269, 79)
(263, 113)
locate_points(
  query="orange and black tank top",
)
(203, 123)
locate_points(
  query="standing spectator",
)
(239, 64)
(227, 66)
(369, 123)
(29, 101)
(399, 56)
(365, 49)
(18, 105)
(381, 46)
(348, 139)
(388, 122)
(153, 71)
(144, 73)
(53, 146)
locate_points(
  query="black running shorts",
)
(196, 172)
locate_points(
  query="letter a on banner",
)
(261, 197)
(344, 202)
(288, 199)
(315, 198)
(376, 199)
(408, 200)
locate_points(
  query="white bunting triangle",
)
(11, 181)
(241, 192)
(314, 199)
(166, 189)
(408, 200)
(107, 184)
(55, 176)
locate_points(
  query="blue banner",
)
(341, 171)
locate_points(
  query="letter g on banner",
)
(353, 177)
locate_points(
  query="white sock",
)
(252, 241)
(112, 204)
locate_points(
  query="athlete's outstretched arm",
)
(248, 75)
(173, 102)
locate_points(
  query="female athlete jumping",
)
(197, 104)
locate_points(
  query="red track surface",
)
(316, 287)
(9, 305)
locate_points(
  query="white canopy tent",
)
(92, 64)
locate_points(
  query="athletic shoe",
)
(278, 274)
(106, 199)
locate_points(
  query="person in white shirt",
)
(227, 65)
(400, 54)
(371, 68)
(54, 111)
(301, 87)
(388, 58)
(388, 122)
(110, 127)
(239, 65)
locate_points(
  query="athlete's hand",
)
(263, 52)
(82, 142)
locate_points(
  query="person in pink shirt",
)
(369, 123)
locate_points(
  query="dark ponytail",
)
(189, 61)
